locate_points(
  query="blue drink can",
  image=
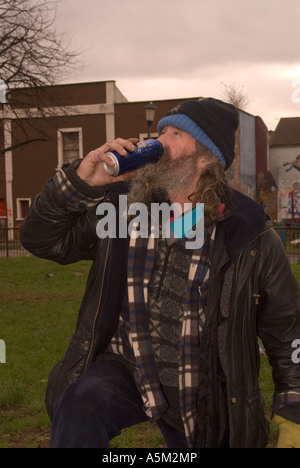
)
(146, 152)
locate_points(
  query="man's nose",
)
(163, 139)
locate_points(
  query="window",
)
(69, 145)
(144, 136)
(23, 205)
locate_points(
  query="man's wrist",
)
(80, 185)
(290, 412)
(71, 197)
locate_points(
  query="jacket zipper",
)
(98, 308)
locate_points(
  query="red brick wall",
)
(261, 133)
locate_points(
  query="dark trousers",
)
(98, 405)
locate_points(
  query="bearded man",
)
(166, 333)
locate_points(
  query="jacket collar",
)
(246, 222)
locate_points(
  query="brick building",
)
(79, 118)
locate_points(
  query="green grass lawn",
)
(37, 318)
(38, 313)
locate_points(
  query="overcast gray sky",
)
(161, 49)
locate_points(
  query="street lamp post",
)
(150, 114)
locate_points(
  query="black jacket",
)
(253, 292)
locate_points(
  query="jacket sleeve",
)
(61, 222)
(279, 324)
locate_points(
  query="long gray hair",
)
(212, 188)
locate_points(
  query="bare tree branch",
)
(33, 55)
(10, 148)
(235, 94)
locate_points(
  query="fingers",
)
(133, 140)
(119, 145)
(98, 156)
(91, 169)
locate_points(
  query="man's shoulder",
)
(248, 219)
(240, 202)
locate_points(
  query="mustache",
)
(154, 181)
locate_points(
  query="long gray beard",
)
(155, 182)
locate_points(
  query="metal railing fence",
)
(290, 237)
(10, 245)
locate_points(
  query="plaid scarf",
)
(141, 262)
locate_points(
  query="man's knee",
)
(89, 396)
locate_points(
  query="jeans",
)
(97, 406)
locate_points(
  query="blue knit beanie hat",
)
(211, 122)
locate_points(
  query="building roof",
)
(287, 132)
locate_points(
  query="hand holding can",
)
(91, 168)
(148, 151)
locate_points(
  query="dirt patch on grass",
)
(37, 298)
(34, 438)
(12, 437)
